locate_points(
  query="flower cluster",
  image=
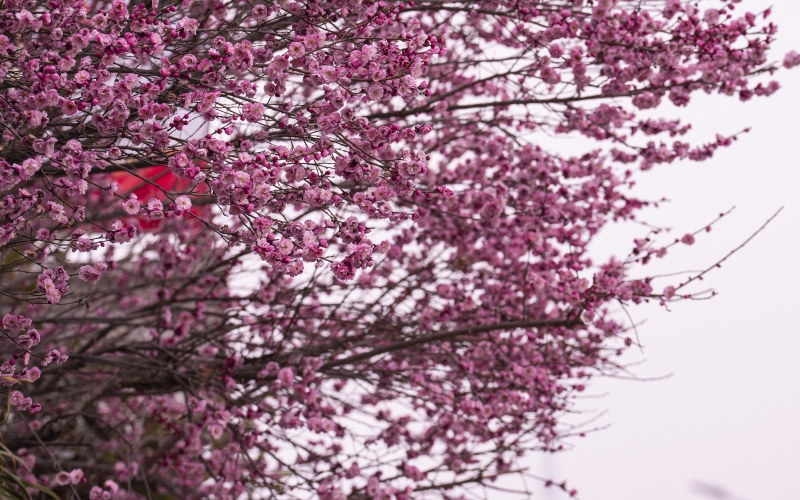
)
(319, 252)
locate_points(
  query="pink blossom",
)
(32, 375)
(711, 16)
(111, 485)
(296, 50)
(375, 92)
(119, 11)
(16, 398)
(215, 430)
(328, 73)
(253, 111)
(69, 108)
(187, 62)
(51, 291)
(62, 478)
(82, 76)
(260, 12)
(791, 59)
(89, 274)
(286, 376)
(353, 238)
(99, 21)
(131, 205)
(183, 203)
(75, 476)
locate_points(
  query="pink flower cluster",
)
(355, 271)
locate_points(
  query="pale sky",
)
(730, 414)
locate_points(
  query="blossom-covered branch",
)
(315, 249)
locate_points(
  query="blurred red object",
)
(160, 179)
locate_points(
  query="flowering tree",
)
(312, 249)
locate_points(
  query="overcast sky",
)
(729, 416)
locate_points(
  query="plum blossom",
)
(711, 16)
(296, 50)
(286, 376)
(31, 375)
(337, 230)
(119, 11)
(375, 92)
(187, 62)
(183, 203)
(253, 111)
(328, 73)
(131, 205)
(81, 76)
(216, 431)
(63, 478)
(260, 12)
(89, 274)
(75, 476)
(791, 59)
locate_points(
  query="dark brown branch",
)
(432, 337)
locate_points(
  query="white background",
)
(729, 416)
